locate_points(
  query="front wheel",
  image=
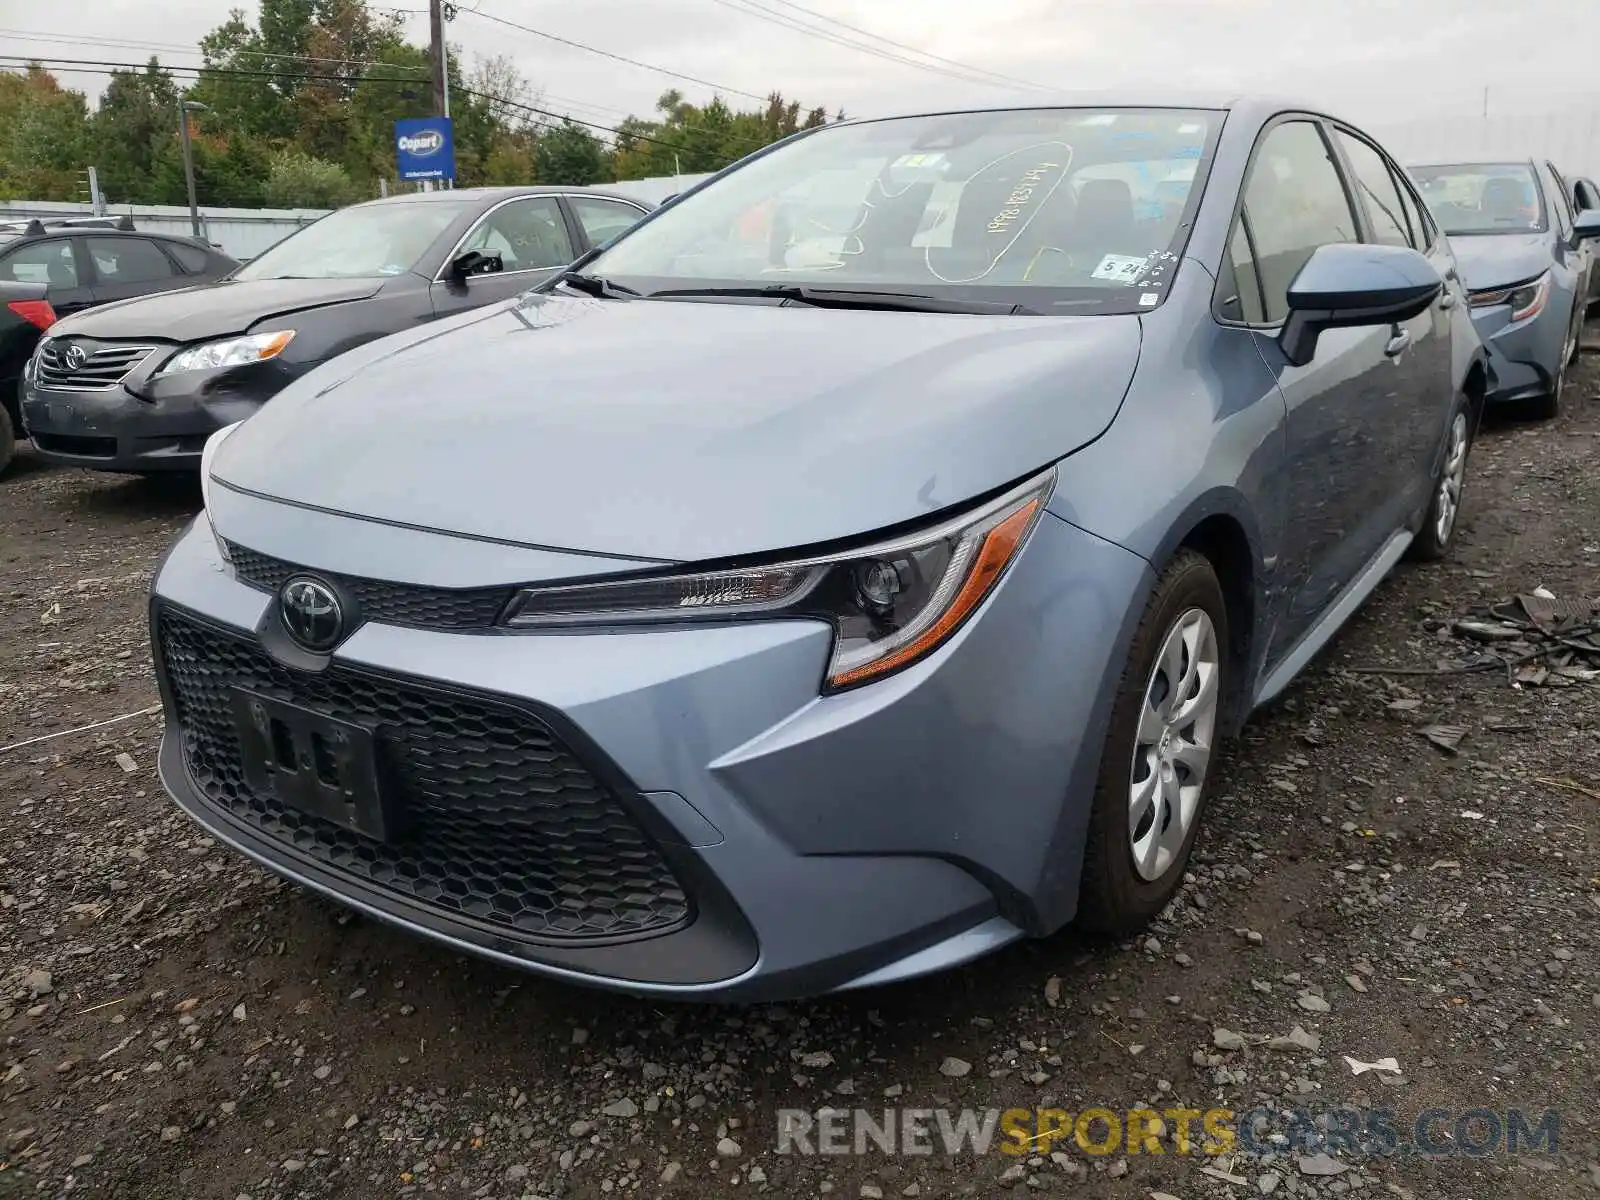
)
(1155, 768)
(1434, 539)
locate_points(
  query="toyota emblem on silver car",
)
(311, 613)
(75, 357)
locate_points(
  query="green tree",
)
(134, 133)
(297, 180)
(44, 131)
(570, 154)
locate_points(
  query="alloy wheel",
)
(1451, 481)
(1172, 750)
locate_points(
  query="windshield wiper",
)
(854, 298)
(593, 285)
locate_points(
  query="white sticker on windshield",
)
(933, 161)
(1118, 268)
(1148, 300)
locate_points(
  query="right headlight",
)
(228, 352)
(890, 603)
(1526, 299)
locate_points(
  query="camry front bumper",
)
(161, 426)
(697, 820)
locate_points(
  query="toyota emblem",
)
(311, 613)
(75, 357)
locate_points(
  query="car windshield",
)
(1059, 210)
(1474, 198)
(369, 239)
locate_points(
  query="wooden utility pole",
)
(441, 77)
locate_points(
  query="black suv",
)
(49, 269)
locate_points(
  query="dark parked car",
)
(139, 386)
(51, 269)
(855, 567)
(1527, 259)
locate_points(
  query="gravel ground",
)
(176, 1024)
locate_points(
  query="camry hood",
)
(212, 311)
(1499, 259)
(684, 430)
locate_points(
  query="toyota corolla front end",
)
(683, 782)
(701, 633)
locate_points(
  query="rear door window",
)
(1391, 225)
(191, 258)
(603, 219)
(129, 260)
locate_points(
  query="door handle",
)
(1398, 343)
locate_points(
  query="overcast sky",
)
(1370, 59)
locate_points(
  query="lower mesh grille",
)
(502, 823)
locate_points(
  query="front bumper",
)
(820, 842)
(1524, 358)
(162, 428)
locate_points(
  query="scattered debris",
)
(1296, 1039)
(1446, 737)
(1320, 1164)
(1357, 1067)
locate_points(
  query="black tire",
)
(1429, 545)
(1114, 898)
(8, 439)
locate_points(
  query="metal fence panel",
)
(241, 232)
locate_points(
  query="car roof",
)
(1254, 105)
(1504, 161)
(494, 194)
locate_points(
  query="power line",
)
(632, 62)
(28, 35)
(750, 8)
(169, 47)
(878, 37)
(110, 67)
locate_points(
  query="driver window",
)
(528, 234)
(1295, 201)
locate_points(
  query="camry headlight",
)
(890, 604)
(229, 352)
(1526, 299)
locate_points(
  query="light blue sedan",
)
(847, 571)
(1527, 258)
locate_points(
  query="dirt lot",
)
(177, 1024)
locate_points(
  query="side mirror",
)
(1586, 225)
(1349, 284)
(476, 262)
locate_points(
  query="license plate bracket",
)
(313, 763)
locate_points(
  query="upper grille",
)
(503, 824)
(104, 368)
(382, 601)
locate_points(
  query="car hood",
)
(684, 430)
(1498, 259)
(212, 310)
